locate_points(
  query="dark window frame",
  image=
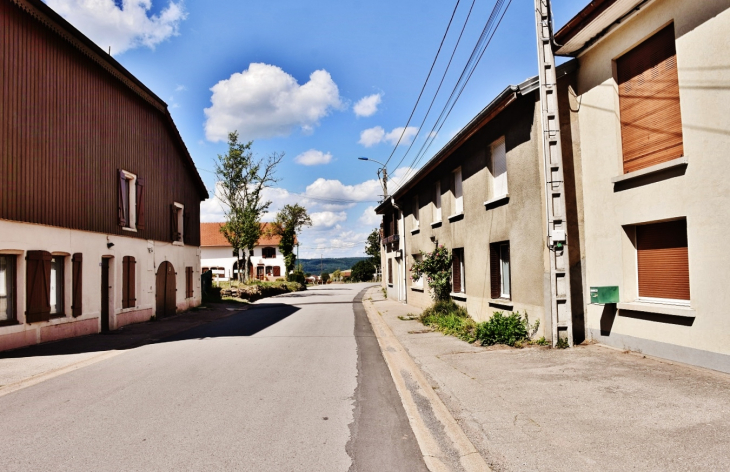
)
(12, 296)
(60, 301)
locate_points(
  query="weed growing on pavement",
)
(408, 317)
(385, 292)
(509, 329)
(562, 343)
(449, 318)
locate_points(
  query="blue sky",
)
(292, 76)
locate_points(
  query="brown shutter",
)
(188, 282)
(125, 282)
(132, 282)
(663, 260)
(651, 123)
(76, 283)
(174, 232)
(390, 271)
(277, 271)
(38, 286)
(122, 200)
(140, 202)
(456, 270)
(495, 280)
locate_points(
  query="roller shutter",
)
(495, 279)
(76, 283)
(663, 260)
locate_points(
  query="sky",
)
(324, 82)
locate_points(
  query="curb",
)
(443, 443)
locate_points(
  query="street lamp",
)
(385, 174)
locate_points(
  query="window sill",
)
(678, 162)
(436, 223)
(390, 285)
(416, 231)
(417, 289)
(501, 302)
(132, 230)
(497, 201)
(456, 216)
(659, 308)
(9, 323)
(178, 243)
(458, 295)
(55, 316)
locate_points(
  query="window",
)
(651, 123)
(178, 222)
(415, 212)
(7, 289)
(500, 273)
(437, 202)
(417, 283)
(268, 252)
(458, 281)
(499, 168)
(38, 286)
(663, 260)
(269, 271)
(390, 271)
(458, 194)
(129, 299)
(57, 286)
(131, 201)
(76, 283)
(188, 282)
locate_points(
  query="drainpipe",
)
(405, 289)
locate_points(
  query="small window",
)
(500, 271)
(499, 169)
(177, 222)
(663, 261)
(458, 281)
(7, 289)
(268, 253)
(417, 283)
(129, 297)
(128, 208)
(57, 286)
(188, 282)
(390, 271)
(415, 213)
(437, 202)
(269, 271)
(458, 193)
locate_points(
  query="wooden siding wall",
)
(67, 126)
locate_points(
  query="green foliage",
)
(449, 318)
(329, 264)
(541, 342)
(363, 271)
(436, 267)
(289, 220)
(562, 343)
(372, 248)
(336, 275)
(325, 277)
(501, 329)
(298, 276)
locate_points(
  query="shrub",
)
(436, 267)
(363, 271)
(298, 276)
(449, 318)
(501, 329)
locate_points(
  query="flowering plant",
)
(436, 266)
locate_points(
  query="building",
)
(217, 255)
(482, 196)
(653, 92)
(99, 198)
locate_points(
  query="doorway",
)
(166, 293)
(105, 295)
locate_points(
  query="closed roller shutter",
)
(76, 282)
(456, 261)
(495, 278)
(651, 124)
(663, 260)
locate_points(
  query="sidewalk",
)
(587, 408)
(26, 366)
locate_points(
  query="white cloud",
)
(313, 158)
(336, 243)
(123, 28)
(327, 219)
(180, 88)
(372, 136)
(264, 101)
(369, 217)
(336, 190)
(367, 106)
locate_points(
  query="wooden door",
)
(105, 295)
(165, 295)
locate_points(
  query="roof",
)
(77, 39)
(592, 23)
(500, 102)
(211, 236)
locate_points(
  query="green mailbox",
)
(603, 295)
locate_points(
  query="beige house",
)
(653, 88)
(483, 197)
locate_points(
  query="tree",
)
(336, 275)
(325, 277)
(436, 266)
(372, 248)
(289, 221)
(363, 271)
(241, 181)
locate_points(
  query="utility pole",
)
(385, 182)
(320, 267)
(557, 225)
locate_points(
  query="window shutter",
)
(132, 282)
(663, 260)
(174, 232)
(188, 282)
(495, 280)
(277, 271)
(186, 226)
(76, 283)
(38, 286)
(390, 271)
(125, 282)
(121, 178)
(140, 202)
(456, 270)
(651, 123)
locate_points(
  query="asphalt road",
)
(295, 383)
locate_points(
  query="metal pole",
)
(385, 182)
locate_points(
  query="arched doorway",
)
(166, 292)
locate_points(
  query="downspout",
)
(405, 289)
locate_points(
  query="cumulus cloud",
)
(337, 243)
(122, 28)
(376, 135)
(327, 219)
(313, 158)
(367, 106)
(369, 217)
(264, 101)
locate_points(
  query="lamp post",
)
(383, 170)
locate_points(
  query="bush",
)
(501, 329)
(449, 318)
(363, 271)
(298, 276)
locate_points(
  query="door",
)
(260, 272)
(165, 295)
(105, 295)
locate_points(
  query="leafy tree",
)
(372, 247)
(242, 179)
(325, 277)
(289, 220)
(436, 266)
(363, 271)
(337, 275)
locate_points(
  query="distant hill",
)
(329, 265)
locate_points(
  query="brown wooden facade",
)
(71, 117)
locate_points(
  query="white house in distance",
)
(216, 254)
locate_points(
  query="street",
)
(295, 382)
